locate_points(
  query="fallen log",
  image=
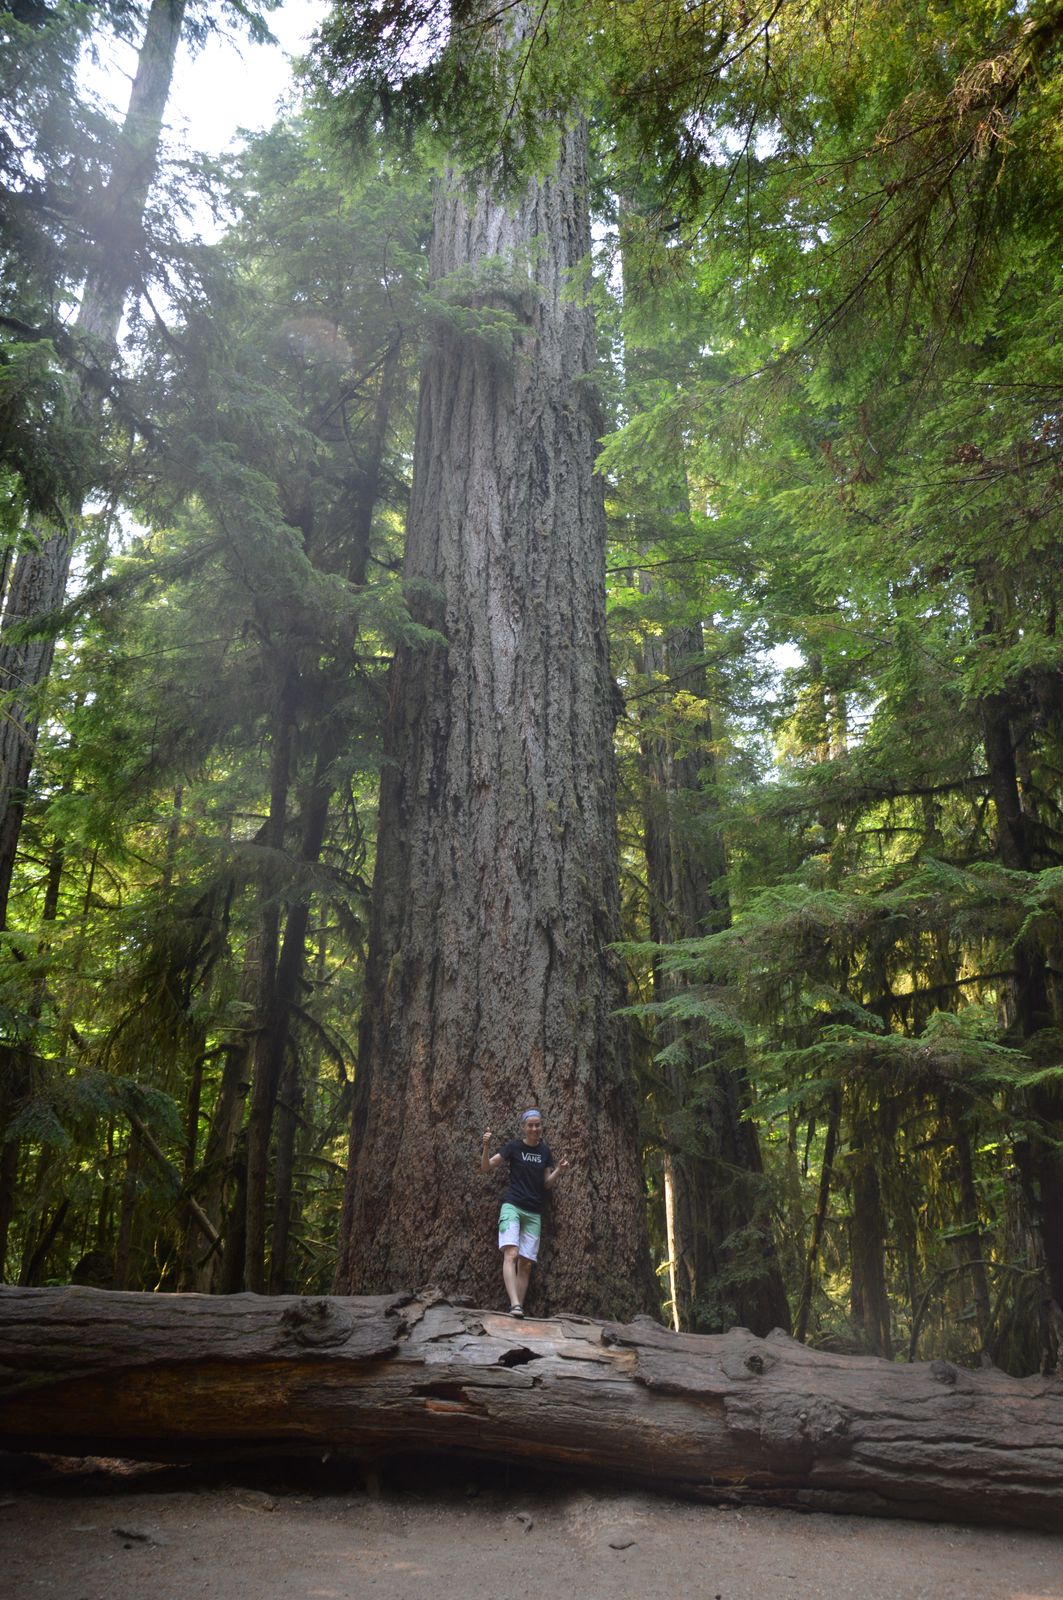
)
(722, 1417)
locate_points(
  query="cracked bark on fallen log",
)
(762, 1421)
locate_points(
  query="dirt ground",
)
(181, 1534)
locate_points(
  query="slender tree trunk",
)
(123, 1250)
(190, 1234)
(230, 1278)
(36, 1262)
(274, 1045)
(104, 1221)
(819, 1221)
(222, 1183)
(268, 1050)
(289, 970)
(33, 1225)
(283, 1069)
(37, 589)
(870, 1298)
(14, 1082)
(9, 1156)
(490, 983)
(970, 1244)
(369, 486)
(726, 1267)
(173, 834)
(672, 1239)
(1013, 845)
(289, 1107)
(1027, 1006)
(218, 1179)
(222, 1136)
(16, 1061)
(38, 585)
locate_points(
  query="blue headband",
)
(532, 1113)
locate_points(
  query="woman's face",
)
(532, 1130)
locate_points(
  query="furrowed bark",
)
(721, 1417)
(490, 984)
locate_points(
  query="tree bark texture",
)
(490, 984)
(721, 1416)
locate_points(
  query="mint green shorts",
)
(522, 1228)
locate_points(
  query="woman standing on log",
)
(531, 1173)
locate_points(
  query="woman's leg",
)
(527, 1250)
(508, 1243)
(510, 1274)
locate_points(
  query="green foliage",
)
(250, 606)
(829, 295)
(839, 336)
(490, 303)
(494, 87)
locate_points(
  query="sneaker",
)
(516, 1310)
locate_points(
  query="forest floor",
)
(105, 1531)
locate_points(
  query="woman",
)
(532, 1172)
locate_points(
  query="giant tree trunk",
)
(727, 1416)
(490, 984)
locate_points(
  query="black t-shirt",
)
(528, 1166)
